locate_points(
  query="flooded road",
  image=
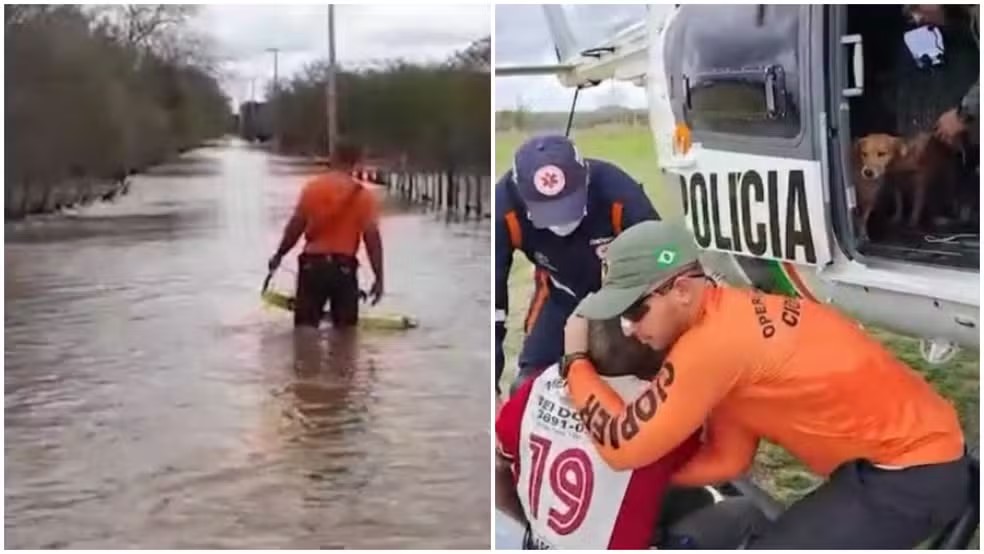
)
(151, 401)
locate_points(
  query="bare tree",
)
(477, 56)
(84, 101)
(143, 25)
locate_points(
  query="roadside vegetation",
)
(94, 93)
(435, 116)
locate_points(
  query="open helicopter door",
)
(749, 142)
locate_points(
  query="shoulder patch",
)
(515, 232)
(617, 210)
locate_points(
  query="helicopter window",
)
(739, 72)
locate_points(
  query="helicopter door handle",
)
(857, 65)
(965, 321)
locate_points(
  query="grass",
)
(630, 147)
(774, 469)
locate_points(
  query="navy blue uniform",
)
(566, 268)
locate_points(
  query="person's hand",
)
(376, 292)
(274, 262)
(927, 14)
(576, 335)
(950, 126)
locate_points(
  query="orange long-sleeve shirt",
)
(762, 366)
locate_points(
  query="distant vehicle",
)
(255, 121)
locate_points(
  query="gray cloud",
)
(521, 35)
(242, 35)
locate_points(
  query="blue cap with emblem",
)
(552, 180)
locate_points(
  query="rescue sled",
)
(371, 320)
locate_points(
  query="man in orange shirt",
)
(334, 213)
(753, 366)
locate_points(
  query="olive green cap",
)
(637, 261)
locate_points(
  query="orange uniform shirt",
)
(335, 218)
(762, 366)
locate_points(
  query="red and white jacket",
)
(571, 497)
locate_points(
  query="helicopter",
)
(751, 110)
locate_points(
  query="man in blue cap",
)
(561, 211)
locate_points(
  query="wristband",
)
(569, 359)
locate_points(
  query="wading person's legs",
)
(343, 295)
(313, 288)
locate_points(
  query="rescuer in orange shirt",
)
(753, 366)
(334, 213)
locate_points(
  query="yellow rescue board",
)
(366, 320)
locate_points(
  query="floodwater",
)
(152, 401)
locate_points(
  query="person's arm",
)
(292, 232)
(506, 497)
(953, 123)
(683, 452)
(693, 379)
(508, 434)
(374, 249)
(503, 264)
(374, 246)
(727, 452)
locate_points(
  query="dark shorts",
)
(865, 507)
(328, 279)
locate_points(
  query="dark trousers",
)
(329, 279)
(864, 507)
(726, 525)
(545, 320)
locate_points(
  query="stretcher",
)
(367, 320)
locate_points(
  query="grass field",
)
(775, 470)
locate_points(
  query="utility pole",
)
(275, 101)
(275, 51)
(331, 92)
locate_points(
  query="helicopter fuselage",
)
(763, 201)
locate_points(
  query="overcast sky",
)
(364, 33)
(522, 38)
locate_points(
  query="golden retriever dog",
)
(874, 155)
(928, 170)
(919, 166)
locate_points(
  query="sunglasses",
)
(638, 309)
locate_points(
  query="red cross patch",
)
(549, 180)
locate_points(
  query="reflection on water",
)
(151, 401)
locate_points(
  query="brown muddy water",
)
(152, 401)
